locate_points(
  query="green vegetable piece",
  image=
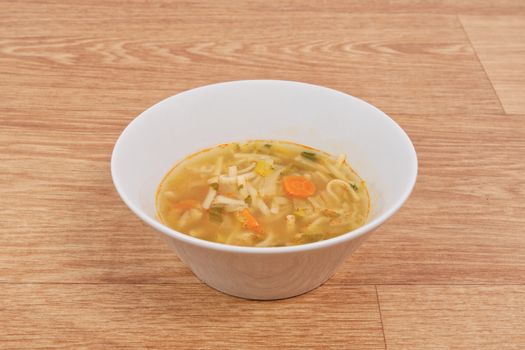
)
(248, 200)
(309, 155)
(215, 214)
(267, 145)
(215, 186)
(354, 186)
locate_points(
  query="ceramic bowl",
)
(329, 120)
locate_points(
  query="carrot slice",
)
(298, 186)
(250, 222)
(187, 204)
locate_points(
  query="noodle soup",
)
(264, 194)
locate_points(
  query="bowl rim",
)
(367, 227)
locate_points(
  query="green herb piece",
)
(354, 186)
(241, 186)
(215, 186)
(248, 200)
(267, 145)
(309, 155)
(215, 214)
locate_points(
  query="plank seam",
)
(481, 63)
(381, 317)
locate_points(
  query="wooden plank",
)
(61, 218)
(500, 45)
(117, 9)
(401, 63)
(464, 222)
(453, 317)
(67, 96)
(185, 317)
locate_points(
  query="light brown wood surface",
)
(453, 317)
(79, 270)
(499, 42)
(174, 316)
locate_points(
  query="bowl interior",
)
(377, 148)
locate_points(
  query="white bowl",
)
(377, 148)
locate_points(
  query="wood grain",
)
(79, 270)
(465, 220)
(86, 10)
(185, 317)
(445, 317)
(401, 63)
(500, 45)
(463, 223)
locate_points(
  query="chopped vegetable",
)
(298, 186)
(187, 204)
(263, 193)
(250, 222)
(215, 214)
(309, 155)
(299, 213)
(263, 168)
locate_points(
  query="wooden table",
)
(78, 270)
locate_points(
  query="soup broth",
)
(264, 194)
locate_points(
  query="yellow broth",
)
(263, 193)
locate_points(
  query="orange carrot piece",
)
(298, 186)
(187, 204)
(251, 222)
